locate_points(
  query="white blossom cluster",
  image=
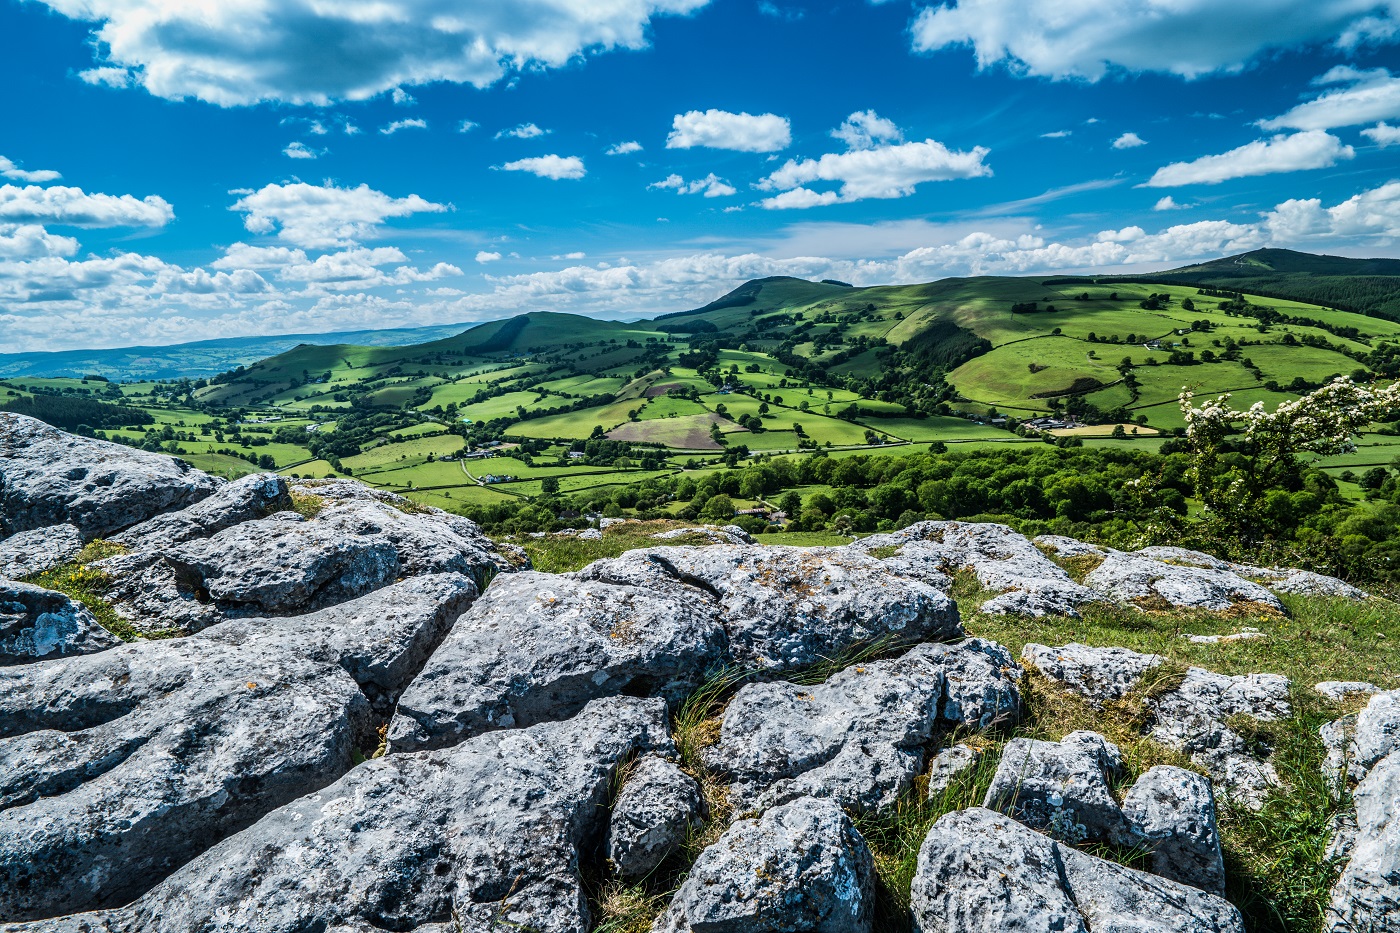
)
(1323, 421)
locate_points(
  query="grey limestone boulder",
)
(802, 866)
(659, 806)
(1100, 674)
(1064, 547)
(49, 477)
(1144, 580)
(861, 737)
(245, 499)
(118, 767)
(1367, 895)
(36, 623)
(1062, 787)
(948, 765)
(1023, 579)
(482, 837)
(981, 872)
(284, 563)
(1190, 716)
(538, 647)
(32, 552)
(1172, 811)
(786, 607)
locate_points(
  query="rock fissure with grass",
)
(293, 706)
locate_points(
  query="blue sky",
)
(173, 170)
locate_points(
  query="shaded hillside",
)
(1365, 286)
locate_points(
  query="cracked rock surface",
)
(36, 623)
(800, 866)
(484, 836)
(118, 767)
(49, 477)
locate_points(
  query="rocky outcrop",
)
(1366, 751)
(1143, 580)
(224, 565)
(1061, 787)
(861, 737)
(801, 866)
(1341, 689)
(36, 623)
(484, 836)
(243, 500)
(1190, 716)
(660, 805)
(727, 534)
(948, 766)
(1171, 811)
(981, 872)
(118, 767)
(28, 553)
(538, 647)
(49, 477)
(1023, 580)
(652, 622)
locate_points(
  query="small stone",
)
(1099, 674)
(1248, 634)
(800, 867)
(659, 805)
(1341, 689)
(947, 766)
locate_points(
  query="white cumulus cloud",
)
(624, 148)
(1129, 141)
(31, 241)
(711, 186)
(239, 52)
(77, 208)
(483, 256)
(12, 171)
(1383, 134)
(866, 129)
(1361, 97)
(523, 131)
(549, 166)
(466, 126)
(882, 172)
(720, 129)
(324, 216)
(1283, 153)
(1089, 38)
(414, 123)
(300, 150)
(1169, 203)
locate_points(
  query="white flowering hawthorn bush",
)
(1233, 478)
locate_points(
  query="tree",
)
(719, 508)
(1240, 457)
(550, 485)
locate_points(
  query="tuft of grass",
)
(88, 585)
(1079, 567)
(306, 504)
(623, 908)
(566, 554)
(1276, 865)
(98, 549)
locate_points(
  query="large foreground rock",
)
(1046, 784)
(36, 623)
(861, 737)
(981, 872)
(212, 562)
(117, 767)
(50, 477)
(654, 622)
(243, 500)
(481, 837)
(799, 867)
(32, 552)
